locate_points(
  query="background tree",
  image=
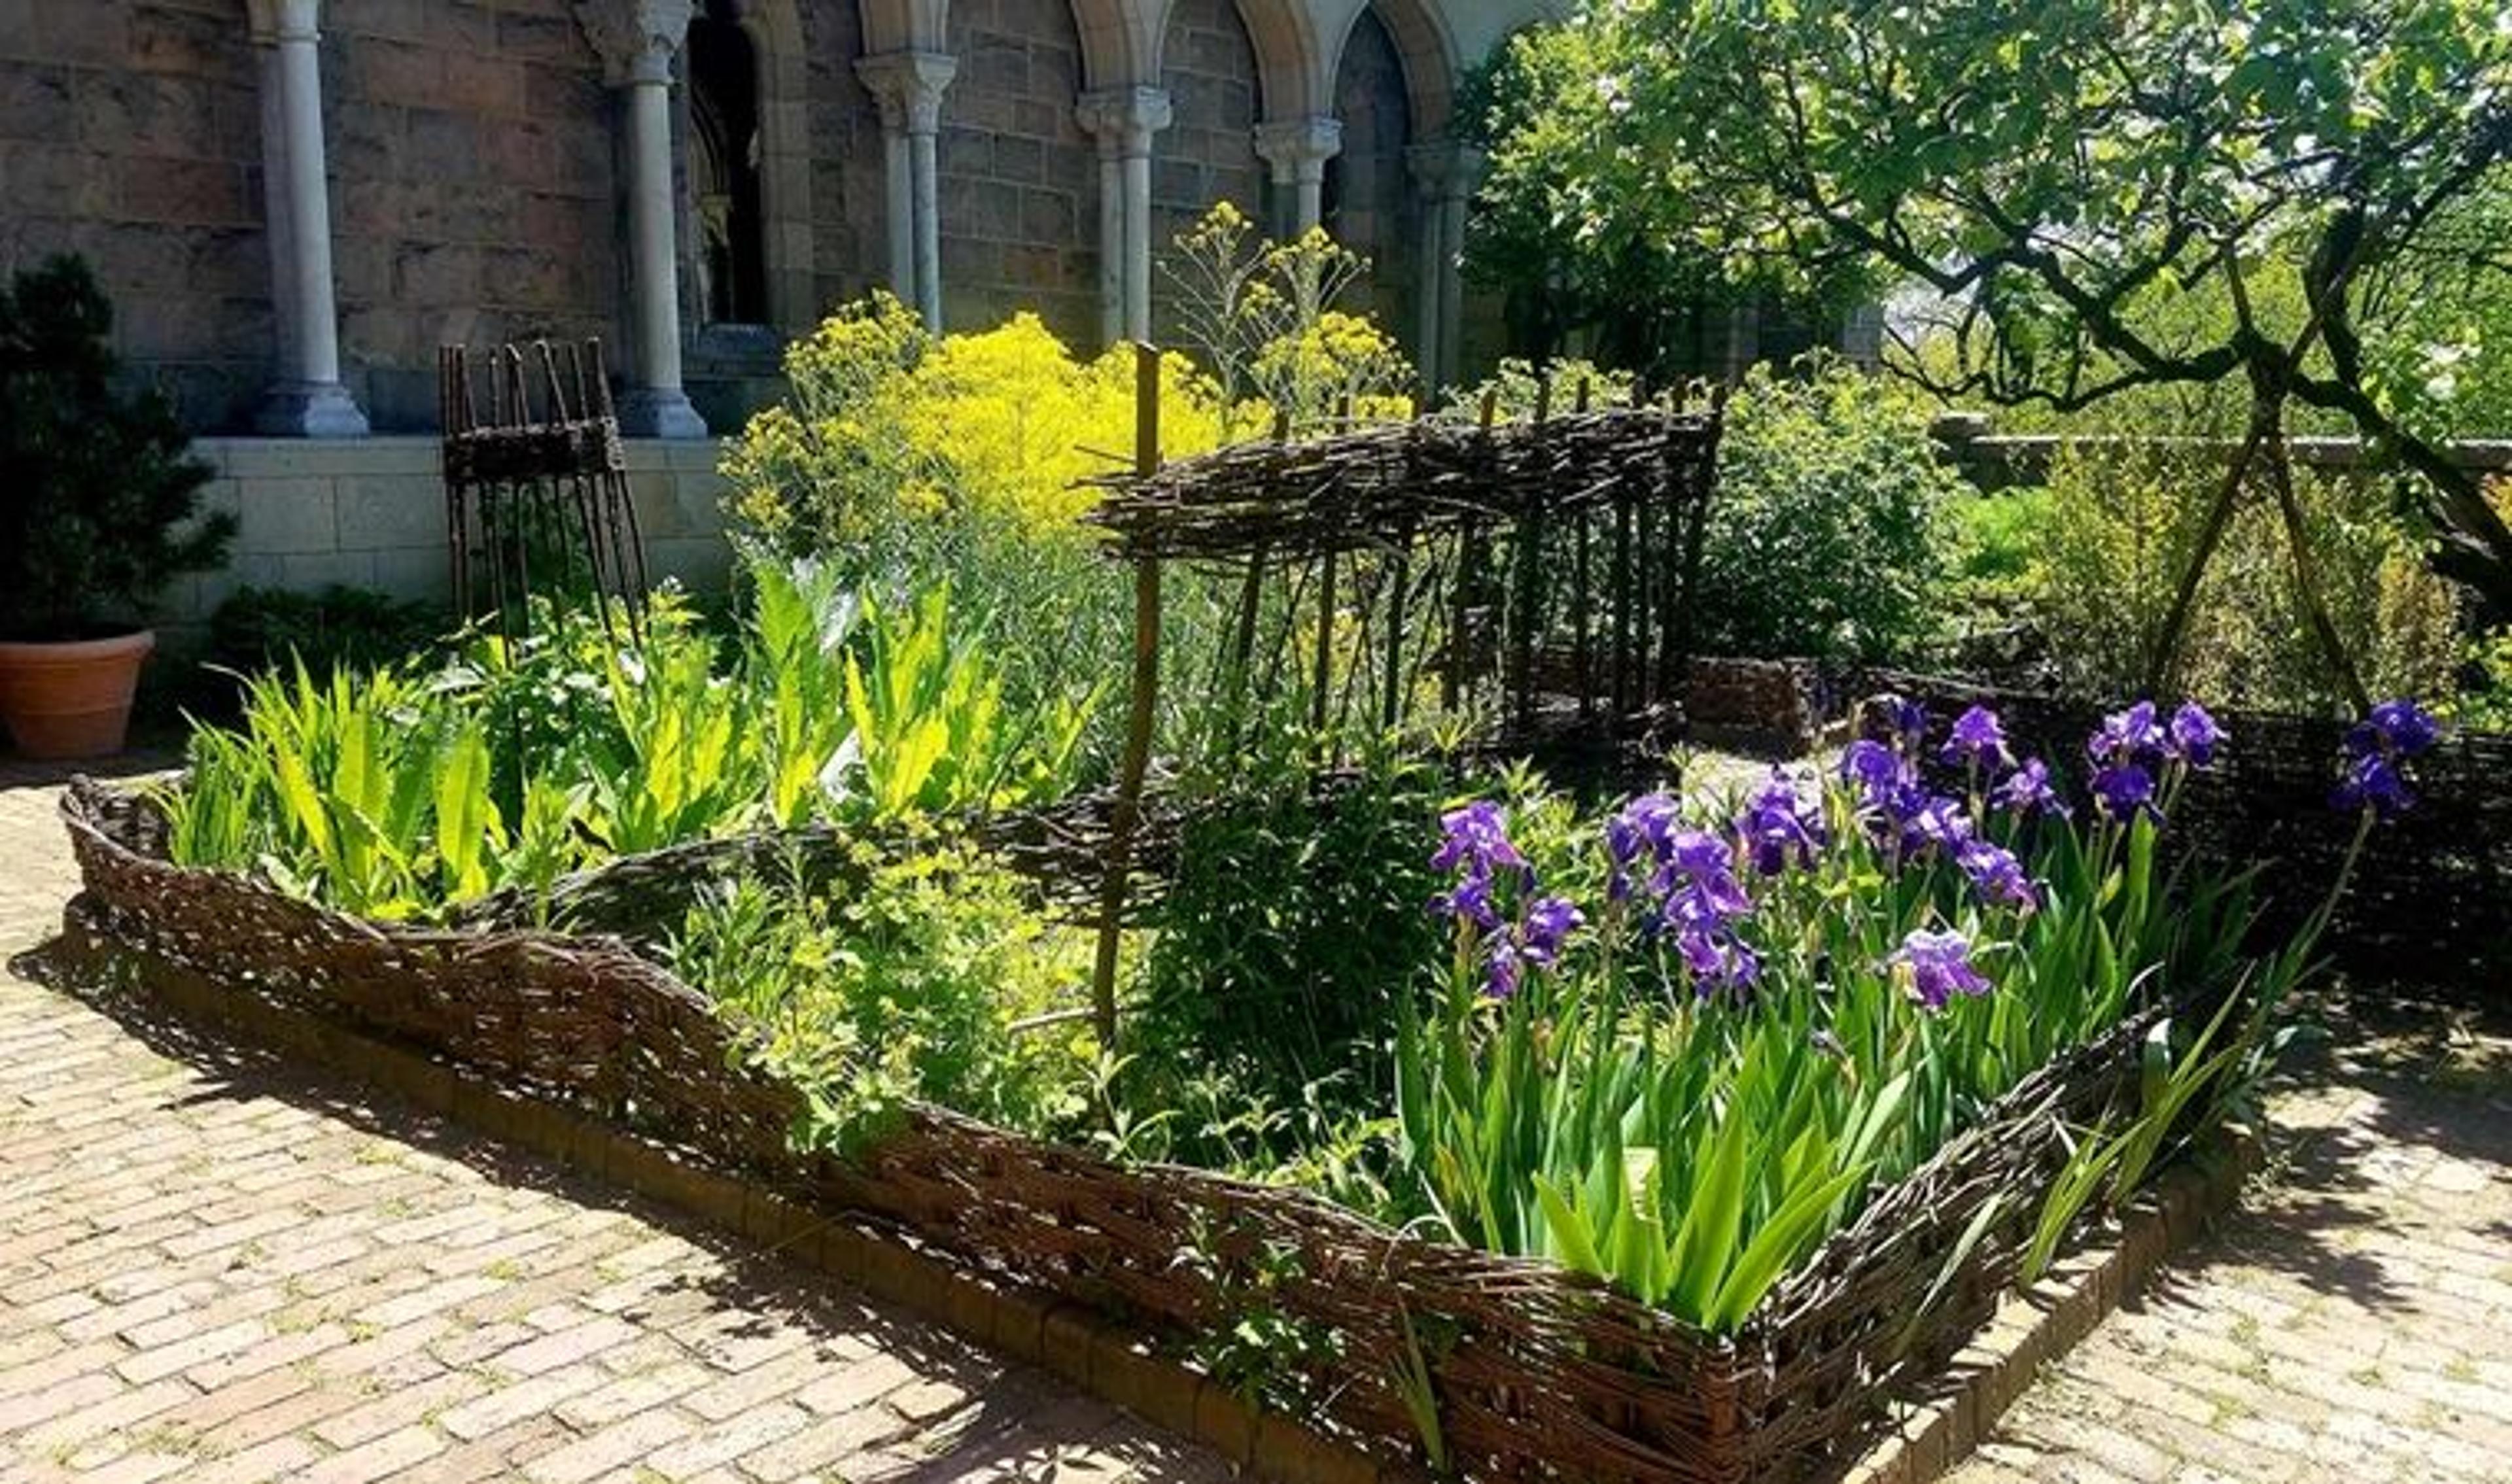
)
(1553, 239)
(2053, 174)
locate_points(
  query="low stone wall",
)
(370, 513)
(1994, 460)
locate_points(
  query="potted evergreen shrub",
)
(98, 511)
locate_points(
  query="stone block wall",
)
(1019, 179)
(130, 135)
(849, 243)
(475, 198)
(1207, 154)
(371, 513)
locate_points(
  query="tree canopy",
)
(2050, 176)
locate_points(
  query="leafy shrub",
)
(913, 984)
(104, 495)
(2117, 532)
(1290, 933)
(1826, 536)
(885, 422)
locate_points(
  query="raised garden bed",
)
(1532, 1371)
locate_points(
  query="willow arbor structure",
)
(1531, 581)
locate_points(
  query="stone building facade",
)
(293, 203)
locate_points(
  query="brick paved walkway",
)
(2352, 1323)
(216, 1270)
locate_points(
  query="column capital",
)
(1448, 170)
(908, 86)
(1123, 119)
(273, 21)
(636, 39)
(1299, 149)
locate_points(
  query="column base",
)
(310, 410)
(646, 412)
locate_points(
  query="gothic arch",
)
(1427, 51)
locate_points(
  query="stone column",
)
(908, 86)
(1447, 173)
(309, 398)
(1297, 150)
(638, 40)
(1124, 121)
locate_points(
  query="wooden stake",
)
(1128, 812)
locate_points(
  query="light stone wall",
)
(370, 513)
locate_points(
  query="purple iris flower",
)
(2130, 736)
(1697, 854)
(2125, 790)
(1997, 875)
(1936, 967)
(1979, 740)
(1643, 828)
(2400, 727)
(1909, 722)
(1502, 970)
(2374, 782)
(1875, 767)
(1717, 961)
(2195, 737)
(2028, 790)
(1475, 838)
(1550, 922)
(1939, 822)
(1779, 823)
(1470, 902)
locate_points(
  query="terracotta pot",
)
(73, 699)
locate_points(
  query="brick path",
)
(216, 1270)
(2352, 1323)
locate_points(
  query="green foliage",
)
(2059, 178)
(2485, 705)
(1550, 233)
(2116, 529)
(913, 981)
(1825, 538)
(103, 496)
(1289, 993)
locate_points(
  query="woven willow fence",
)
(1535, 1372)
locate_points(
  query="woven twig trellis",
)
(535, 480)
(1539, 1373)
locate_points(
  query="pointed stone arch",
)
(1428, 52)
